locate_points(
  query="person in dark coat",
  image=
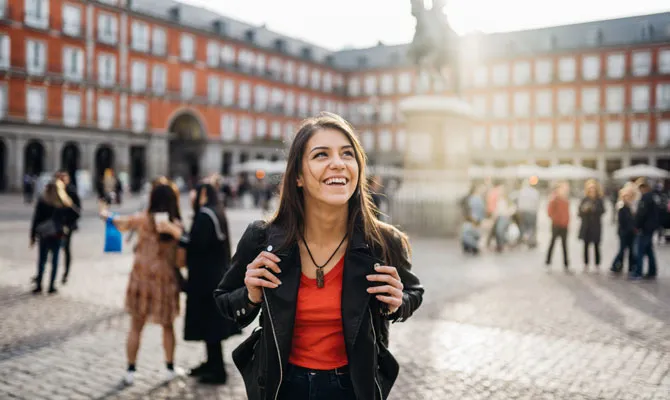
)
(591, 210)
(208, 257)
(647, 219)
(72, 223)
(626, 231)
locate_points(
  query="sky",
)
(362, 23)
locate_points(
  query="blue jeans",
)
(46, 246)
(302, 384)
(626, 244)
(645, 247)
(528, 226)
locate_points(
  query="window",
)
(4, 51)
(567, 69)
(289, 72)
(105, 113)
(664, 61)
(228, 92)
(368, 140)
(521, 137)
(213, 89)
(500, 105)
(3, 101)
(641, 63)
(35, 57)
(616, 65)
(289, 103)
(479, 105)
(521, 104)
(245, 95)
(316, 79)
(521, 73)
(213, 54)
(71, 20)
(640, 98)
(639, 134)
(37, 13)
(36, 105)
(302, 75)
(275, 69)
(107, 29)
(316, 105)
(614, 135)
(73, 64)
(662, 133)
(140, 37)
(354, 87)
(400, 140)
(260, 98)
(106, 70)
(591, 68)
(544, 105)
(589, 135)
(499, 138)
(158, 42)
(543, 136)
(566, 135)
(501, 75)
(158, 79)
(228, 128)
(261, 128)
(303, 105)
(327, 82)
(405, 83)
(479, 137)
(228, 54)
(385, 140)
(566, 101)
(260, 64)
(371, 85)
(663, 96)
(138, 81)
(275, 130)
(186, 48)
(614, 99)
(591, 100)
(246, 129)
(481, 77)
(246, 59)
(187, 85)
(543, 71)
(71, 109)
(138, 117)
(288, 131)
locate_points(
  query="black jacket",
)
(591, 211)
(626, 221)
(373, 369)
(648, 213)
(44, 211)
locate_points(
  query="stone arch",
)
(104, 159)
(34, 158)
(187, 141)
(4, 155)
(70, 160)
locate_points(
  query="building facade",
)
(157, 87)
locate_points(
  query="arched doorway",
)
(3, 165)
(187, 142)
(138, 168)
(104, 159)
(33, 158)
(69, 160)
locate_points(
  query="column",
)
(211, 159)
(577, 161)
(123, 62)
(121, 156)
(157, 157)
(625, 160)
(601, 165)
(19, 149)
(90, 61)
(56, 148)
(653, 159)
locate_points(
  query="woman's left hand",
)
(174, 230)
(390, 293)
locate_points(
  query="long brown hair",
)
(291, 211)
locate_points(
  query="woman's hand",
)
(174, 230)
(390, 293)
(103, 210)
(259, 276)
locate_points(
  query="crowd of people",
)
(640, 212)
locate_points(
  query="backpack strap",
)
(217, 226)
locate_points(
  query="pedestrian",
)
(559, 214)
(50, 223)
(646, 223)
(591, 210)
(626, 232)
(327, 275)
(528, 204)
(71, 223)
(503, 214)
(207, 258)
(28, 188)
(153, 291)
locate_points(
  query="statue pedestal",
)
(437, 156)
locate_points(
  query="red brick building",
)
(157, 87)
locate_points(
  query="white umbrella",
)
(641, 171)
(570, 172)
(523, 171)
(481, 172)
(253, 166)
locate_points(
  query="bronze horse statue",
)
(435, 44)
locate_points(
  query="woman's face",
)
(203, 197)
(329, 169)
(591, 191)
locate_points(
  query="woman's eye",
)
(349, 153)
(321, 154)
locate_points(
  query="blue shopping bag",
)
(113, 239)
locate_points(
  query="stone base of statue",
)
(435, 175)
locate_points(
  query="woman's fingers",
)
(386, 289)
(263, 273)
(258, 282)
(266, 259)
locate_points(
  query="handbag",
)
(47, 229)
(113, 239)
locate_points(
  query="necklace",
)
(320, 280)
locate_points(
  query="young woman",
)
(207, 258)
(591, 210)
(153, 292)
(626, 231)
(327, 275)
(51, 223)
(559, 214)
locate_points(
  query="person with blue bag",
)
(153, 288)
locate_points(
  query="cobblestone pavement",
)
(492, 327)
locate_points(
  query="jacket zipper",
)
(374, 335)
(274, 335)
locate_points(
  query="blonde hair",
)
(592, 183)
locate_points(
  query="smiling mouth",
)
(336, 181)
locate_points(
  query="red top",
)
(559, 211)
(318, 339)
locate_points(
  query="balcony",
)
(73, 30)
(37, 20)
(107, 38)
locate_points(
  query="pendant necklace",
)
(320, 278)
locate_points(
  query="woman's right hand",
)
(260, 274)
